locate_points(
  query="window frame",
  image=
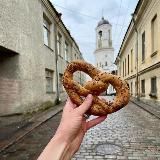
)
(153, 92)
(131, 88)
(128, 64)
(66, 51)
(143, 87)
(59, 44)
(131, 60)
(46, 27)
(143, 45)
(125, 66)
(61, 88)
(49, 78)
(154, 43)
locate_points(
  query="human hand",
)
(74, 125)
(70, 132)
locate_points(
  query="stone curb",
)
(37, 122)
(147, 108)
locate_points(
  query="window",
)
(125, 67)
(49, 81)
(100, 34)
(106, 63)
(109, 34)
(135, 88)
(46, 31)
(100, 39)
(59, 44)
(66, 52)
(143, 87)
(143, 46)
(131, 88)
(135, 56)
(154, 34)
(131, 60)
(128, 64)
(109, 40)
(153, 86)
(60, 83)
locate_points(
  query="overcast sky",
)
(81, 18)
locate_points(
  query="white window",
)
(59, 44)
(154, 30)
(49, 80)
(143, 46)
(46, 31)
(60, 83)
(66, 51)
(131, 60)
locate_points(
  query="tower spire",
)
(102, 14)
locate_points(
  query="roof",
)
(59, 15)
(129, 26)
(102, 21)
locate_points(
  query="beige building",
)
(138, 59)
(35, 47)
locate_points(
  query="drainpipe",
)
(57, 70)
(137, 76)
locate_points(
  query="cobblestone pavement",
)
(130, 133)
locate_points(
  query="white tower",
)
(104, 53)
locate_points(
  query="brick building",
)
(35, 47)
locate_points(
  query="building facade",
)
(138, 60)
(35, 48)
(104, 53)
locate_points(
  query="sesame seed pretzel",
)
(99, 84)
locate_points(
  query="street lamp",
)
(136, 30)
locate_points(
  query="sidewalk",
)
(15, 127)
(155, 110)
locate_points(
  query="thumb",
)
(85, 105)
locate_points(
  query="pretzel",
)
(99, 84)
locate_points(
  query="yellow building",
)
(138, 60)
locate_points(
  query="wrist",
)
(60, 140)
(56, 148)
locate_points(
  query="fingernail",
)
(89, 96)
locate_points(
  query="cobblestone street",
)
(130, 133)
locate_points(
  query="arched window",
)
(106, 63)
(100, 34)
(109, 34)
